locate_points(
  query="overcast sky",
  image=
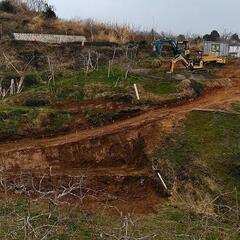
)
(172, 16)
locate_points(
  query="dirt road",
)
(211, 100)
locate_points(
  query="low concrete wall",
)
(48, 38)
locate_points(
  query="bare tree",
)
(16, 85)
(36, 5)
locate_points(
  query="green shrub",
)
(31, 79)
(36, 103)
(125, 98)
(57, 121)
(197, 87)
(97, 118)
(7, 6)
(176, 216)
(49, 12)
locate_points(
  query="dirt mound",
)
(230, 70)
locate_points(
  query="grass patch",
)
(236, 106)
(70, 89)
(197, 87)
(36, 102)
(56, 121)
(73, 88)
(206, 147)
(13, 117)
(175, 215)
(96, 84)
(18, 120)
(99, 118)
(102, 117)
(160, 88)
(170, 222)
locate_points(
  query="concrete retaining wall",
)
(48, 38)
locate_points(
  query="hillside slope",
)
(29, 17)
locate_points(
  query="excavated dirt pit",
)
(114, 170)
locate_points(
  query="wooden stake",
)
(237, 207)
(136, 91)
(97, 61)
(12, 87)
(50, 171)
(1, 32)
(11, 64)
(20, 85)
(163, 183)
(127, 71)
(109, 68)
(114, 54)
(126, 74)
(52, 78)
(116, 82)
(127, 52)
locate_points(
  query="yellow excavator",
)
(183, 54)
(188, 63)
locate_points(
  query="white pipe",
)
(136, 91)
(165, 186)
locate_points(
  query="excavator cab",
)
(160, 44)
(183, 48)
(179, 48)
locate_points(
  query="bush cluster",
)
(8, 6)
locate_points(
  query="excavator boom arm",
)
(158, 45)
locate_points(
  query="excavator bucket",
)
(168, 75)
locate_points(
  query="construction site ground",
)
(114, 159)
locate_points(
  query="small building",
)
(216, 48)
(234, 50)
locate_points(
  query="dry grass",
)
(27, 19)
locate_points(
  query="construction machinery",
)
(207, 59)
(176, 47)
(192, 60)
